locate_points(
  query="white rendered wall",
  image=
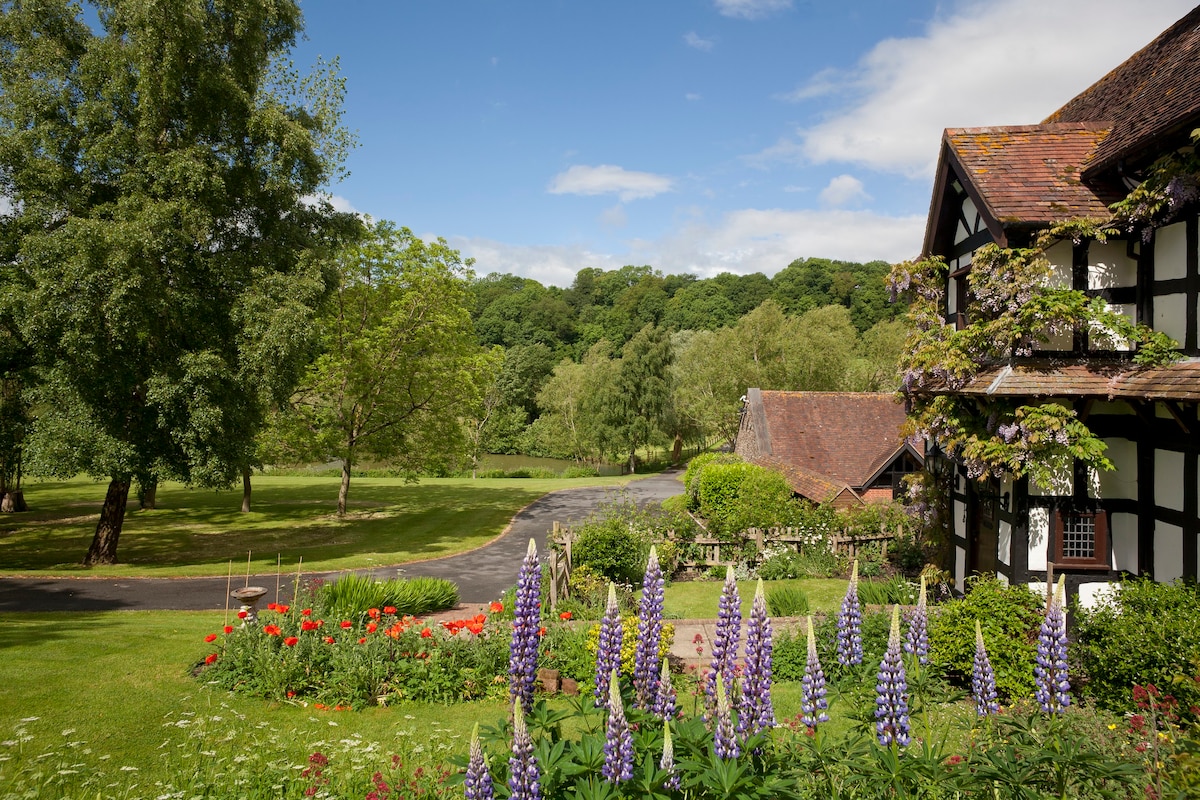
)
(960, 567)
(1119, 483)
(1123, 533)
(1170, 253)
(1060, 255)
(1095, 594)
(1109, 267)
(1168, 552)
(1004, 543)
(1170, 315)
(1039, 538)
(1168, 479)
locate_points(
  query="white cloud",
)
(691, 97)
(338, 202)
(1004, 62)
(614, 217)
(745, 241)
(697, 41)
(751, 9)
(6, 206)
(608, 179)
(842, 191)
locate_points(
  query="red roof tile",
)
(1100, 380)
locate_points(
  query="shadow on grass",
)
(292, 517)
(56, 628)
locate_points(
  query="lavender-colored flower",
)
(983, 678)
(646, 659)
(478, 782)
(665, 705)
(618, 741)
(667, 762)
(849, 624)
(891, 686)
(522, 658)
(608, 652)
(1050, 671)
(813, 703)
(524, 776)
(725, 740)
(756, 713)
(725, 641)
(917, 641)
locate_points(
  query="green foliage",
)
(814, 562)
(1145, 633)
(613, 544)
(787, 601)
(734, 496)
(888, 592)
(1009, 617)
(352, 595)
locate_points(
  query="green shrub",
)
(613, 549)
(691, 477)
(580, 471)
(1010, 617)
(1146, 633)
(787, 601)
(907, 555)
(352, 595)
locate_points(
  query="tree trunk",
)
(677, 449)
(13, 502)
(108, 530)
(344, 489)
(245, 490)
(147, 493)
(633, 462)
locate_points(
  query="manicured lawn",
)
(198, 531)
(698, 599)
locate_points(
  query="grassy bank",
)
(198, 531)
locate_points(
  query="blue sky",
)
(697, 136)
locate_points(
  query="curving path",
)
(482, 574)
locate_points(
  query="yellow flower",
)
(1112, 727)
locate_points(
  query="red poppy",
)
(212, 637)
(291, 693)
(242, 615)
(371, 627)
(229, 629)
(347, 623)
(211, 658)
(363, 640)
(281, 608)
(565, 615)
(389, 609)
(373, 613)
(328, 640)
(496, 608)
(308, 625)
(290, 641)
(320, 706)
(271, 630)
(475, 627)
(270, 606)
(306, 612)
(480, 618)
(426, 633)
(542, 632)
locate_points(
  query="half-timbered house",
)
(1004, 185)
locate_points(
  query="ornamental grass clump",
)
(891, 692)
(650, 610)
(983, 678)
(849, 625)
(523, 652)
(1050, 672)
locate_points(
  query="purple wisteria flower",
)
(478, 782)
(608, 652)
(849, 624)
(522, 658)
(665, 705)
(725, 740)
(667, 762)
(756, 713)
(891, 686)
(618, 741)
(725, 641)
(813, 703)
(983, 678)
(917, 641)
(1050, 671)
(524, 778)
(646, 658)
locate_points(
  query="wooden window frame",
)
(1101, 559)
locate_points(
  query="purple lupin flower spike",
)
(917, 641)
(891, 686)
(725, 641)
(756, 711)
(665, 705)
(725, 740)
(1050, 671)
(478, 782)
(849, 624)
(667, 762)
(618, 741)
(524, 779)
(983, 678)
(813, 702)
(650, 610)
(608, 652)
(522, 658)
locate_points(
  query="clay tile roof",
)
(1154, 93)
(807, 484)
(1102, 380)
(842, 437)
(1031, 173)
